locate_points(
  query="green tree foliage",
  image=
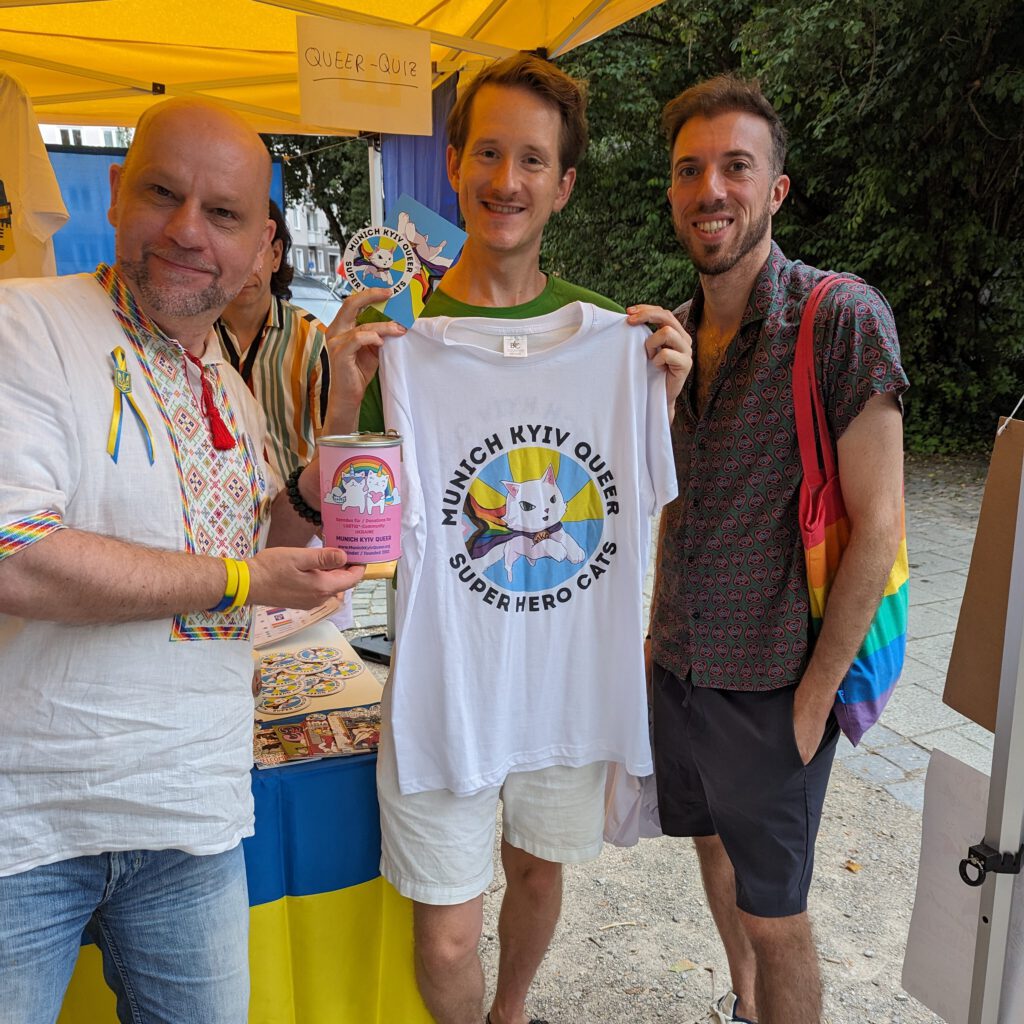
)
(329, 173)
(906, 127)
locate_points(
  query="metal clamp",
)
(983, 859)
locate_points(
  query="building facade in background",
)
(314, 252)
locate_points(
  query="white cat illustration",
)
(351, 493)
(376, 492)
(533, 514)
(379, 263)
(382, 258)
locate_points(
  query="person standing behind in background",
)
(280, 351)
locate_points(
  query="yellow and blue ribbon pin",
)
(122, 394)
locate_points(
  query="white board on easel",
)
(939, 962)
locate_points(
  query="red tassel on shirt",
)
(219, 433)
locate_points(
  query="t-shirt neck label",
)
(514, 346)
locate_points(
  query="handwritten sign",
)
(364, 77)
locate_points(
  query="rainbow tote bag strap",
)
(825, 531)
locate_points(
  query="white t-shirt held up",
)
(535, 452)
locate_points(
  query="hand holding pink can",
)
(360, 491)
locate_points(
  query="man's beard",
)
(171, 301)
(711, 260)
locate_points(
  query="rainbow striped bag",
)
(826, 531)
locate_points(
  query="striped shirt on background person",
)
(287, 370)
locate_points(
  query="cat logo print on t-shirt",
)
(532, 518)
(6, 225)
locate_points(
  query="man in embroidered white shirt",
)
(134, 507)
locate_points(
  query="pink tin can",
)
(360, 491)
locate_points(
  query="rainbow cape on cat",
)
(492, 530)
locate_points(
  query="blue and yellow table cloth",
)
(330, 940)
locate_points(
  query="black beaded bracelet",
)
(291, 485)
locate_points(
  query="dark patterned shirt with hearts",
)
(732, 590)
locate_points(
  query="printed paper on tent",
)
(364, 77)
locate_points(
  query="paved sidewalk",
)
(369, 605)
(943, 498)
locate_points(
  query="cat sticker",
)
(379, 258)
(366, 489)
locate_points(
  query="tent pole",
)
(1003, 828)
(376, 182)
(579, 23)
(377, 219)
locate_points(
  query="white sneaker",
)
(723, 1011)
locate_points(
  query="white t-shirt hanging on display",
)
(31, 207)
(535, 452)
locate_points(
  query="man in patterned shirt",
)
(743, 727)
(280, 352)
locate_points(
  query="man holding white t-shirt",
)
(516, 135)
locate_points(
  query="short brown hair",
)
(725, 94)
(537, 75)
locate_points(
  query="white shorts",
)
(438, 848)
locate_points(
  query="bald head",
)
(189, 206)
(199, 114)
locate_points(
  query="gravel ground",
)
(630, 917)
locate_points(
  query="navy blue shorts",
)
(727, 764)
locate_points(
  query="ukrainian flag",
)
(330, 941)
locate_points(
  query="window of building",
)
(300, 259)
(70, 137)
(321, 266)
(108, 138)
(310, 221)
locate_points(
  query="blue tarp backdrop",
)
(84, 177)
(415, 164)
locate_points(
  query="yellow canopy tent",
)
(105, 61)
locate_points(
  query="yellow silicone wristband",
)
(242, 593)
(230, 586)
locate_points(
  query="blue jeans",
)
(173, 929)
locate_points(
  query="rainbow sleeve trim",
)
(22, 532)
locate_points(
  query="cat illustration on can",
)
(367, 492)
